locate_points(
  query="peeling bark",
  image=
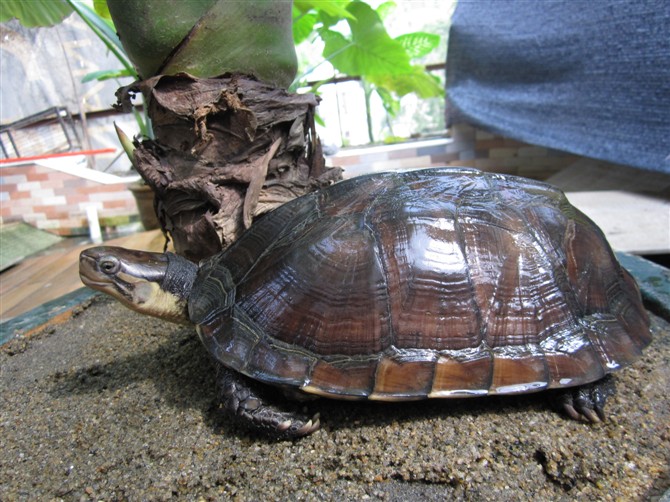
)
(227, 150)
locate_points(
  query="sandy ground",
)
(113, 405)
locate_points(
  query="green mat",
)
(654, 282)
(20, 240)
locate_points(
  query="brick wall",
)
(466, 146)
(56, 201)
(491, 152)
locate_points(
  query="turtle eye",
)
(110, 265)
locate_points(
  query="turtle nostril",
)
(109, 265)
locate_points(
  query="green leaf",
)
(333, 8)
(144, 125)
(36, 12)
(417, 81)
(102, 27)
(100, 7)
(336, 44)
(327, 20)
(303, 26)
(107, 74)
(370, 51)
(105, 32)
(389, 101)
(419, 43)
(385, 9)
(319, 120)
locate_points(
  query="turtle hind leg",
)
(240, 400)
(587, 402)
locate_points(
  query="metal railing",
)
(49, 131)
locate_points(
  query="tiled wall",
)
(466, 146)
(56, 201)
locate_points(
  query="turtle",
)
(399, 286)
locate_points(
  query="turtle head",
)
(158, 284)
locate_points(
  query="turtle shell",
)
(445, 282)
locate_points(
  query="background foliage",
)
(354, 38)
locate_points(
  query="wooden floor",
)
(43, 278)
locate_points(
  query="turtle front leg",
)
(240, 400)
(587, 402)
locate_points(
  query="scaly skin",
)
(241, 401)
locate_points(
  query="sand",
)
(112, 405)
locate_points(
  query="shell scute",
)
(571, 358)
(322, 291)
(518, 369)
(431, 295)
(404, 375)
(463, 373)
(615, 350)
(344, 378)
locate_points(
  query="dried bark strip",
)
(227, 149)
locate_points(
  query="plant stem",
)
(367, 91)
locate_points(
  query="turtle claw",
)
(289, 428)
(312, 425)
(284, 426)
(587, 402)
(240, 400)
(570, 410)
(590, 415)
